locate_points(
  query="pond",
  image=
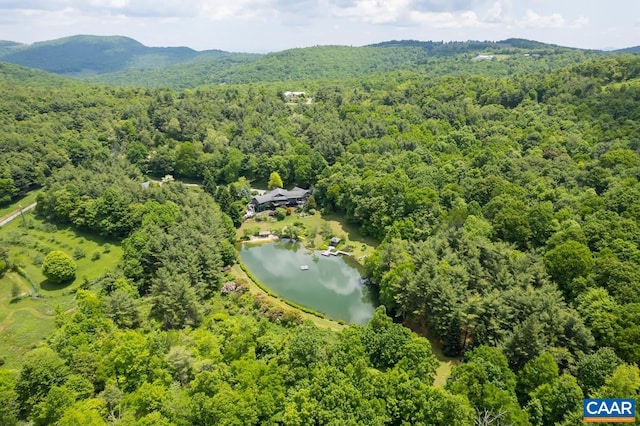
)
(331, 284)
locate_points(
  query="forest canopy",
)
(507, 211)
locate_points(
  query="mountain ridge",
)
(123, 60)
(89, 55)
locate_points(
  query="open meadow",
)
(29, 302)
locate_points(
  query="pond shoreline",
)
(273, 238)
(256, 289)
(328, 287)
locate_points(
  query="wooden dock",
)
(331, 252)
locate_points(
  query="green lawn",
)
(360, 245)
(28, 199)
(26, 321)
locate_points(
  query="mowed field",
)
(27, 319)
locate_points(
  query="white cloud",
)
(431, 13)
(214, 9)
(582, 21)
(109, 4)
(242, 9)
(500, 12)
(555, 20)
(533, 20)
(373, 11)
(266, 25)
(467, 19)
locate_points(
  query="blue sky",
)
(272, 25)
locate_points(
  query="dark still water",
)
(332, 285)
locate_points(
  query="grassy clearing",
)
(446, 362)
(28, 199)
(317, 230)
(26, 321)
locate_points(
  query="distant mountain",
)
(512, 56)
(311, 63)
(124, 61)
(439, 48)
(84, 55)
(633, 49)
(8, 46)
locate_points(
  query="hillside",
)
(16, 74)
(513, 56)
(124, 61)
(204, 69)
(83, 55)
(439, 48)
(633, 49)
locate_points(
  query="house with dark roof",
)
(280, 198)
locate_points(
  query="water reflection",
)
(331, 284)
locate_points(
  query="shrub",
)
(49, 227)
(280, 213)
(59, 267)
(15, 290)
(248, 232)
(38, 259)
(291, 317)
(78, 253)
(95, 256)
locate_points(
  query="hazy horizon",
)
(262, 26)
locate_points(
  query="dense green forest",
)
(124, 61)
(507, 210)
(342, 62)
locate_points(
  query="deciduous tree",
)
(275, 181)
(59, 267)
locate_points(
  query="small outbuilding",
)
(334, 241)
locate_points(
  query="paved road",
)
(16, 213)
